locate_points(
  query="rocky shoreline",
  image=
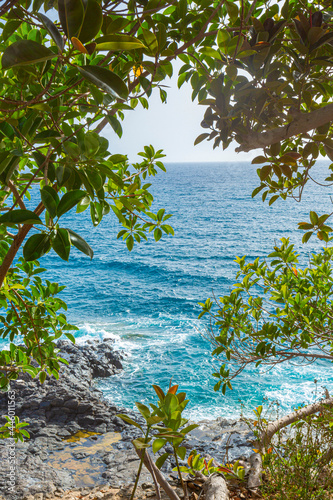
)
(78, 442)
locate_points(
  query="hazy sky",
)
(173, 127)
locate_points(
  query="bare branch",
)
(302, 123)
(158, 475)
(16, 195)
(280, 423)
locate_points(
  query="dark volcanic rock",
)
(71, 401)
(60, 408)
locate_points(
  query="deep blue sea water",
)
(147, 300)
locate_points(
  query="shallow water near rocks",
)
(81, 456)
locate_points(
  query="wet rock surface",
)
(77, 441)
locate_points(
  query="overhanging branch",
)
(303, 123)
(275, 426)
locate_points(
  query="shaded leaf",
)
(201, 138)
(25, 52)
(69, 200)
(80, 243)
(20, 217)
(36, 246)
(71, 13)
(61, 244)
(53, 31)
(106, 80)
(324, 39)
(50, 200)
(93, 19)
(181, 452)
(160, 461)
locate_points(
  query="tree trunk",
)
(216, 488)
(254, 480)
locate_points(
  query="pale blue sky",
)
(173, 127)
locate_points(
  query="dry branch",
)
(303, 123)
(156, 473)
(280, 423)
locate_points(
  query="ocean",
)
(147, 300)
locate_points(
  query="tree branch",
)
(16, 195)
(303, 123)
(18, 240)
(280, 423)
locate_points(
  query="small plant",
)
(297, 464)
(197, 463)
(13, 428)
(164, 425)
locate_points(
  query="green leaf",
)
(201, 138)
(314, 218)
(129, 420)
(106, 80)
(265, 172)
(150, 41)
(232, 10)
(37, 5)
(93, 19)
(71, 14)
(143, 409)
(20, 217)
(181, 452)
(42, 378)
(139, 445)
(158, 444)
(306, 237)
(259, 159)
(53, 31)
(223, 38)
(50, 200)
(25, 52)
(160, 461)
(91, 144)
(69, 200)
(61, 244)
(36, 246)
(116, 125)
(130, 243)
(23, 431)
(80, 243)
(118, 42)
(189, 428)
(157, 234)
(10, 27)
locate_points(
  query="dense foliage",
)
(62, 82)
(70, 67)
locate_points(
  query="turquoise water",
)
(148, 299)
